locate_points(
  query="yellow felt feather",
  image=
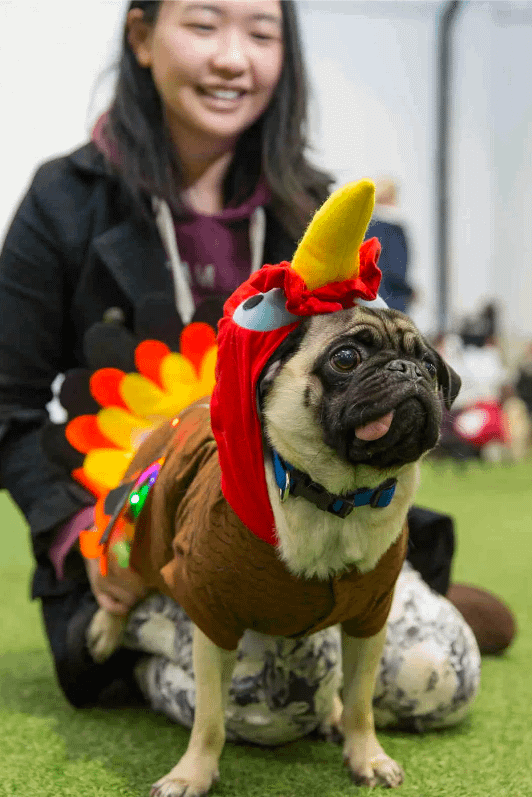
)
(176, 370)
(142, 396)
(328, 251)
(106, 466)
(124, 429)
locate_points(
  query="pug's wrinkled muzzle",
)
(387, 417)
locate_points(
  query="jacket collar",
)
(132, 253)
(89, 159)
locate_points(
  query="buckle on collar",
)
(284, 492)
(282, 476)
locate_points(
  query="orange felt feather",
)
(131, 405)
(89, 543)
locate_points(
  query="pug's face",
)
(364, 381)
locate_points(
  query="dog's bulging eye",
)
(345, 359)
(431, 368)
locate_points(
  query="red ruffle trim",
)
(327, 299)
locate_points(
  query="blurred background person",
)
(388, 225)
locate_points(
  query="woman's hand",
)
(117, 592)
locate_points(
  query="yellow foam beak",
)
(328, 251)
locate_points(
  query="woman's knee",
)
(429, 674)
(428, 686)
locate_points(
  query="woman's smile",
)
(223, 99)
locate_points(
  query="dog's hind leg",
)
(331, 728)
(197, 770)
(154, 625)
(104, 634)
(150, 627)
(368, 763)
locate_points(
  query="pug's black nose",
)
(410, 370)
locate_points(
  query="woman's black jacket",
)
(74, 249)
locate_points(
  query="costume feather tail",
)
(133, 404)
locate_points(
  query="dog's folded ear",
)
(266, 380)
(448, 380)
(285, 350)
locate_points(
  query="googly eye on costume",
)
(264, 312)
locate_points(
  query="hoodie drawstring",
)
(184, 300)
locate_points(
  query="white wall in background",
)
(50, 58)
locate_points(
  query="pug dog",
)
(349, 404)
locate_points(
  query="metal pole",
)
(442, 162)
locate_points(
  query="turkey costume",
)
(204, 532)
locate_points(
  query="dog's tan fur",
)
(328, 547)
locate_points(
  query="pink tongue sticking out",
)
(375, 429)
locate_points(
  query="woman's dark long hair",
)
(274, 147)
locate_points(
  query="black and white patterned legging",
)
(282, 689)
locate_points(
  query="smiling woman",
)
(215, 68)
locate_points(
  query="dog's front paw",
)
(185, 781)
(104, 634)
(370, 766)
(379, 771)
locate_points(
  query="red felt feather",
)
(148, 357)
(105, 387)
(83, 433)
(195, 341)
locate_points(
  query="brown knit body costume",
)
(189, 544)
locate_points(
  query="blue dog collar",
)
(291, 481)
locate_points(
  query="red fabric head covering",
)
(242, 355)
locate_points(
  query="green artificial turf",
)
(49, 749)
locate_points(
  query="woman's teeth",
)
(225, 94)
